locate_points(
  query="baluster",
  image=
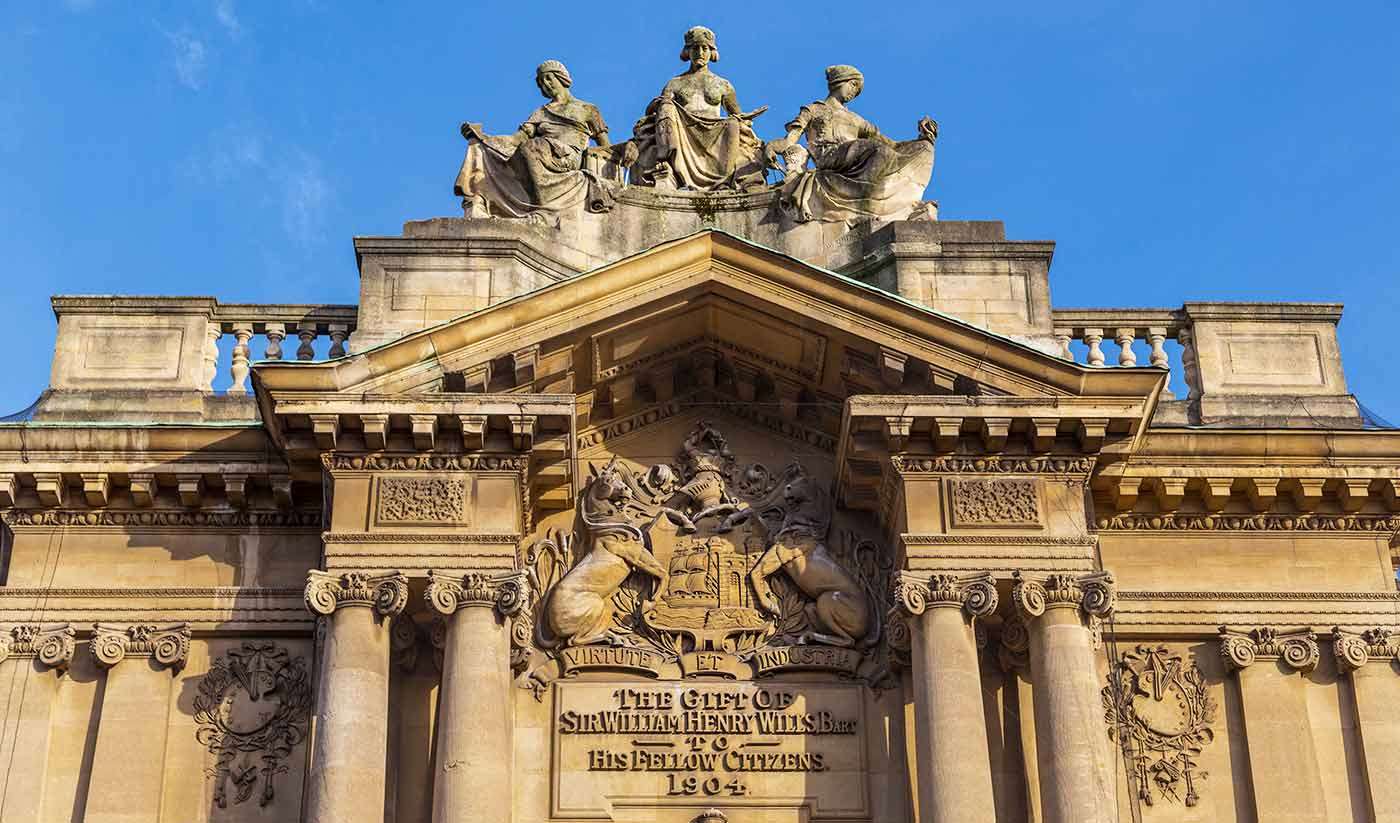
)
(338, 332)
(1092, 338)
(307, 333)
(1062, 338)
(1124, 338)
(211, 355)
(1157, 338)
(276, 333)
(242, 333)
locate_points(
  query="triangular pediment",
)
(758, 309)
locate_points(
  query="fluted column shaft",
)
(1372, 658)
(1075, 759)
(352, 697)
(128, 766)
(476, 720)
(955, 779)
(31, 659)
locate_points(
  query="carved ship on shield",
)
(707, 594)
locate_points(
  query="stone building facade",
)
(682, 498)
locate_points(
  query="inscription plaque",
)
(740, 745)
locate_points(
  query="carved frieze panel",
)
(981, 502)
(422, 501)
(252, 710)
(1159, 708)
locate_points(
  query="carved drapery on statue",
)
(717, 569)
(693, 136)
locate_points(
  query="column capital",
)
(50, 645)
(1092, 594)
(1297, 649)
(168, 645)
(975, 594)
(387, 594)
(1355, 650)
(506, 592)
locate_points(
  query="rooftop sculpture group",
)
(695, 137)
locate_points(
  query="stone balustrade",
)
(1122, 328)
(288, 332)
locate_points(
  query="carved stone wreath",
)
(1159, 709)
(252, 709)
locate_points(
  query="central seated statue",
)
(685, 141)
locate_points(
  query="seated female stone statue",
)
(541, 167)
(685, 141)
(859, 172)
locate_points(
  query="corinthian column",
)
(1072, 748)
(1372, 658)
(476, 722)
(955, 778)
(129, 760)
(352, 697)
(31, 658)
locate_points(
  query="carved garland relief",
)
(994, 502)
(252, 710)
(422, 500)
(1159, 709)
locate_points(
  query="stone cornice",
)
(221, 609)
(974, 594)
(167, 645)
(300, 520)
(1252, 523)
(1091, 594)
(387, 594)
(507, 592)
(51, 645)
(426, 462)
(379, 538)
(1296, 649)
(1073, 468)
(1355, 650)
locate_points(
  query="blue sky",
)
(1175, 151)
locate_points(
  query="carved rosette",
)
(1297, 649)
(975, 594)
(1093, 594)
(387, 594)
(167, 645)
(1014, 650)
(1356, 650)
(51, 645)
(506, 592)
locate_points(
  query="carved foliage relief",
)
(1159, 709)
(422, 500)
(994, 502)
(252, 710)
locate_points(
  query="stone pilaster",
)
(128, 767)
(352, 702)
(1372, 658)
(475, 732)
(1075, 760)
(1287, 778)
(955, 780)
(32, 657)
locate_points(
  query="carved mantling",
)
(387, 594)
(1093, 595)
(168, 646)
(1297, 650)
(974, 594)
(52, 646)
(1356, 650)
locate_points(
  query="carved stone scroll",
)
(975, 594)
(1092, 594)
(1159, 708)
(1356, 650)
(387, 594)
(50, 645)
(1297, 649)
(507, 592)
(167, 645)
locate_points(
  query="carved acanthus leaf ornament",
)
(1296, 649)
(387, 594)
(51, 645)
(167, 645)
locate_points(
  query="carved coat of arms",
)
(703, 557)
